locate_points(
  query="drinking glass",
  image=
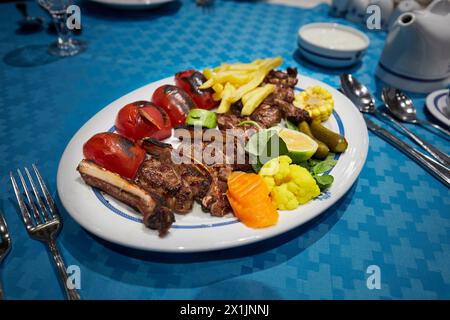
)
(64, 45)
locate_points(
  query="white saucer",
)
(437, 105)
(133, 4)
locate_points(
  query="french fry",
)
(270, 64)
(257, 62)
(218, 87)
(242, 67)
(252, 84)
(208, 73)
(217, 96)
(232, 82)
(225, 104)
(236, 78)
(208, 84)
(253, 99)
(221, 68)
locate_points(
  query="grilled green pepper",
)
(201, 117)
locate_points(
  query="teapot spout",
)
(403, 31)
(406, 20)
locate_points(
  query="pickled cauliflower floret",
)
(317, 101)
(290, 185)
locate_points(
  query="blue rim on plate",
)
(234, 220)
(436, 103)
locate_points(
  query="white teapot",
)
(416, 55)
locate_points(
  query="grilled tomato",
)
(175, 101)
(115, 153)
(190, 81)
(142, 119)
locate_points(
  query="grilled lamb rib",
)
(207, 182)
(162, 180)
(155, 215)
(195, 175)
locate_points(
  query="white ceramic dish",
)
(439, 106)
(198, 231)
(331, 44)
(133, 4)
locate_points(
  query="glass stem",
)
(59, 19)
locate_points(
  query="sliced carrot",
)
(249, 198)
(260, 216)
(241, 185)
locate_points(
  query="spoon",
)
(402, 107)
(361, 97)
(28, 22)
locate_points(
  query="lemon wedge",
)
(301, 147)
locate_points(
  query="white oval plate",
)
(437, 105)
(133, 4)
(198, 231)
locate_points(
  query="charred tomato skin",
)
(115, 153)
(190, 81)
(175, 101)
(131, 124)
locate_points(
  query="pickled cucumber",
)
(334, 141)
(322, 150)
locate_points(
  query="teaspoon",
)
(402, 107)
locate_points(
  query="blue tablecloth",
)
(396, 216)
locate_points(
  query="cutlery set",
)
(402, 108)
(5, 245)
(42, 221)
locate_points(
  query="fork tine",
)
(37, 196)
(23, 208)
(37, 217)
(3, 228)
(47, 195)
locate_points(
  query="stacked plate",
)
(133, 4)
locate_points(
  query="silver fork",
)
(5, 245)
(43, 224)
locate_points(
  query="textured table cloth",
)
(396, 216)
